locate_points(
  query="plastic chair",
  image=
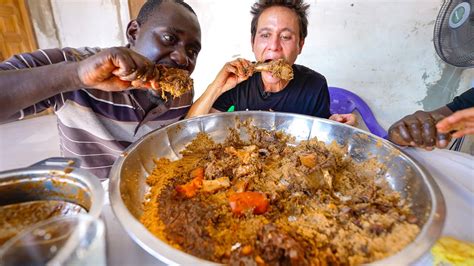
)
(344, 102)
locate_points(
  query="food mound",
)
(174, 81)
(267, 200)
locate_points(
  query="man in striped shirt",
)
(98, 112)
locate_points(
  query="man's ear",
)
(301, 46)
(133, 28)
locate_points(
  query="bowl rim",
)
(430, 232)
(56, 166)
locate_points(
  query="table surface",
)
(37, 139)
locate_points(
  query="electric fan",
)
(454, 33)
(454, 38)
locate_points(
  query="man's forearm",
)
(22, 88)
(443, 111)
(204, 104)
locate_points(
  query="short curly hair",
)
(151, 5)
(298, 6)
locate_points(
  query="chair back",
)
(344, 101)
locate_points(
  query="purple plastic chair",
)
(344, 102)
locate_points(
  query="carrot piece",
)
(242, 201)
(191, 188)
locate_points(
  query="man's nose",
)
(180, 58)
(274, 43)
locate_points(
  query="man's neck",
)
(275, 87)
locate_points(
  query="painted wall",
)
(382, 50)
(77, 23)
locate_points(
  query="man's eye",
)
(286, 37)
(264, 35)
(193, 53)
(168, 38)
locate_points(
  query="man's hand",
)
(419, 130)
(232, 74)
(461, 121)
(114, 69)
(348, 119)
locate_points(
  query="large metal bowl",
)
(128, 175)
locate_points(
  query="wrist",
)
(73, 80)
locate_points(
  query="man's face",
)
(170, 36)
(277, 36)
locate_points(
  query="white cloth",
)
(454, 174)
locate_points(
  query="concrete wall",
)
(77, 23)
(382, 50)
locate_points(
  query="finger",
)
(442, 140)
(428, 132)
(230, 68)
(142, 67)
(463, 132)
(124, 63)
(116, 84)
(395, 135)
(456, 121)
(404, 132)
(240, 69)
(415, 132)
(247, 67)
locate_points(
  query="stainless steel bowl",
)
(53, 179)
(128, 175)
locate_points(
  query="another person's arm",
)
(110, 70)
(228, 77)
(348, 119)
(461, 122)
(419, 129)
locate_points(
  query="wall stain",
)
(42, 17)
(442, 91)
(121, 31)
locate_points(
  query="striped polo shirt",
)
(96, 126)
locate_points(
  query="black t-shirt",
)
(463, 101)
(307, 93)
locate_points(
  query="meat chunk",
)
(279, 248)
(175, 81)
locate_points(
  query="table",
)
(23, 143)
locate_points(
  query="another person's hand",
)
(232, 74)
(114, 69)
(348, 119)
(461, 121)
(419, 130)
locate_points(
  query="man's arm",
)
(110, 70)
(230, 75)
(25, 87)
(419, 130)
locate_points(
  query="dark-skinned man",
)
(98, 112)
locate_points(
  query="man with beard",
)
(90, 89)
(278, 29)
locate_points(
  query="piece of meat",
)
(279, 68)
(278, 248)
(213, 185)
(175, 81)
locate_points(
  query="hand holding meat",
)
(419, 130)
(114, 69)
(232, 74)
(120, 68)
